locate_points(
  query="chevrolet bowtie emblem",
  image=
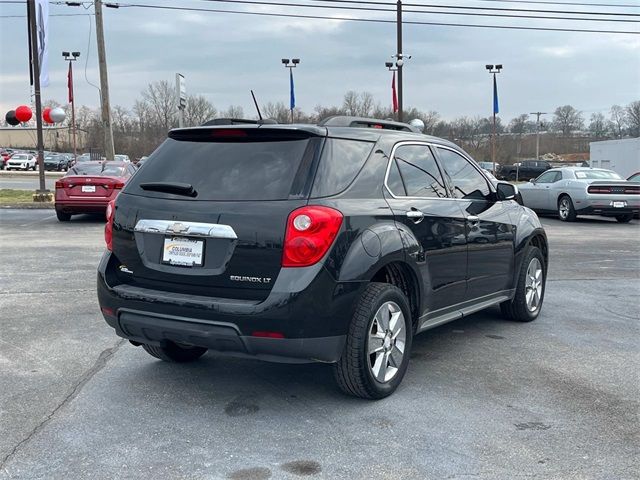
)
(178, 228)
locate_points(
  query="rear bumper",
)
(81, 205)
(309, 308)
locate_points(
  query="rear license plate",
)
(182, 251)
(619, 204)
(88, 188)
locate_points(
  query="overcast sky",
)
(223, 56)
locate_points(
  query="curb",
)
(27, 206)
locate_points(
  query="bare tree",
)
(198, 110)
(351, 103)
(234, 111)
(567, 120)
(618, 120)
(633, 118)
(366, 104)
(598, 125)
(161, 97)
(277, 111)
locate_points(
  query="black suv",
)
(335, 243)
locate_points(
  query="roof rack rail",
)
(238, 121)
(363, 122)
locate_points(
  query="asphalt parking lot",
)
(483, 398)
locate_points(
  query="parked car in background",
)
(525, 170)
(22, 161)
(141, 161)
(121, 158)
(635, 177)
(488, 166)
(573, 191)
(89, 187)
(5, 155)
(332, 243)
(85, 157)
(56, 161)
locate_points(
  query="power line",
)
(376, 9)
(51, 15)
(372, 20)
(466, 7)
(580, 4)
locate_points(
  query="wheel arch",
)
(401, 275)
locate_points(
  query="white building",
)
(621, 156)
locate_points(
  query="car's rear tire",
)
(62, 216)
(527, 301)
(172, 352)
(376, 353)
(626, 218)
(566, 211)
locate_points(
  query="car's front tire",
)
(376, 353)
(527, 301)
(172, 352)
(566, 211)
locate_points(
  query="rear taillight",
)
(310, 232)
(108, 228)
(59, 184)
(599, 189)
(118, 185)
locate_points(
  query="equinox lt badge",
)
(237, 278)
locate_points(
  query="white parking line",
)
(38, 221)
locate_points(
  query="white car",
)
(121, 158)
(573, 191)
(22, 161)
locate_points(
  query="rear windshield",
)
(98, 169)
(597, 175)
(228, 170)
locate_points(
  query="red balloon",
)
(46, 115)
(23, 113)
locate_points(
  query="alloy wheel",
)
(533, 285)
(386, 342)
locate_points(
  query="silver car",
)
(573, 191)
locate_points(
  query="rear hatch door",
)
(207, 214)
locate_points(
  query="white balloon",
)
(57, 115)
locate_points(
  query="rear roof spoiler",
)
(238, 121)
(363, 122)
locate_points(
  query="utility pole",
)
(292, 97)
(109, 150)
(399, 61)
(42, 194)
(537, 114)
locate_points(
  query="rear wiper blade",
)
(176, 188)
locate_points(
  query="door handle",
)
(415, 215)
(473, 219)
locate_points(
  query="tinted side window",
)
(548, 177)
(466, 181)
(340, 163)
(394, 182)
(419, 171)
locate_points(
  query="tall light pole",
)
(72, 57)
(537, 114)
(292, 96)
(494, 70)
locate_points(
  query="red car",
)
(89, 187)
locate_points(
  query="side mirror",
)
(506, 191)
(532, 180)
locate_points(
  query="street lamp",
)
(72, 57)
(292, 96)
(494, 69)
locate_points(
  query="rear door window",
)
(340, 163)
(419, 171)
(228, 169)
